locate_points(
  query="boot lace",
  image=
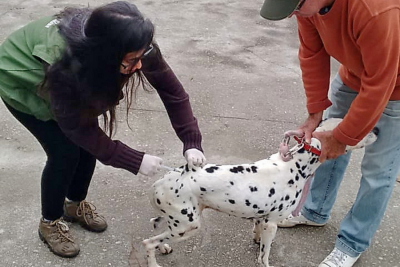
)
(87, 210)
(62, 231)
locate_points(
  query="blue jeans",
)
(379, 168)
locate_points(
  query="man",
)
(364, 36)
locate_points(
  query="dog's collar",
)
(307, 146)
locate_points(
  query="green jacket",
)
(21, 71)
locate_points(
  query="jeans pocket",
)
(392, 109)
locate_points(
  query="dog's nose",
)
(375, 131)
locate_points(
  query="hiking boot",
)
(57, 237)
(84, 213)
(338, 258)
(291, 221)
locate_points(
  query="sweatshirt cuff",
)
(318, 106)
(192, 140)
(343, 138)
(127, 158)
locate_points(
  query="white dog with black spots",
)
(266, 191)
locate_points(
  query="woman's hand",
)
(195, 157)
(150, 165)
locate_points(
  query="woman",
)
(57, 75)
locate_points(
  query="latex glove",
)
(195, 157)
(150, 165)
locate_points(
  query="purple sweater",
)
(86, 133)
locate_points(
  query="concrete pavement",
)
(242, 74)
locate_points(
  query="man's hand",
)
(331, 148)
(308, 127)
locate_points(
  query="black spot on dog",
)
(176, 191)
(171, 217)
(203, 189)
(291, 181)
(302, 174)
(304, 167)
(273, 208)
(313, 160)
(232, 183)
(184, 211)
(237, 169)
(181, 234)
(232, 201)
(248, 170)
(158, 202)
(186, 167)
(274, 164)
(255, 206)
(287, 197)
(253, 188)
(248, 203)
(291, 170)
(271, 192)
(297, 177)
(211, 169)
(254, 169)
(301, 151)
(280, 207)
(297, 165)
(163, 211)
(260, 212)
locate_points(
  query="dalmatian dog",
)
(266, 191)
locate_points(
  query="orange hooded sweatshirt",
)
(364, 36)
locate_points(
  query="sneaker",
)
(84, 213)
(338, 258)
(291, 221)
(57, 237)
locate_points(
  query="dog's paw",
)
(262, 263)
(165, 249)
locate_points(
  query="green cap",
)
(278, 9)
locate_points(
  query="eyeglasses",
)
(135, 60)
(299, 6)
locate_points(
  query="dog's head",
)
(331, 123)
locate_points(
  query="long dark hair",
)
(96, 42)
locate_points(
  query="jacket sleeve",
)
(85, 132)
(176, 102)
(379, 44)
(315, 66)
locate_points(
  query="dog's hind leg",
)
(157, 221)
(174, 234)
(268, 232)
(151, 244)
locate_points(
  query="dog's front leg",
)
(268, 232)
(257, 230)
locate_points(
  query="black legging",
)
(68, 169)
